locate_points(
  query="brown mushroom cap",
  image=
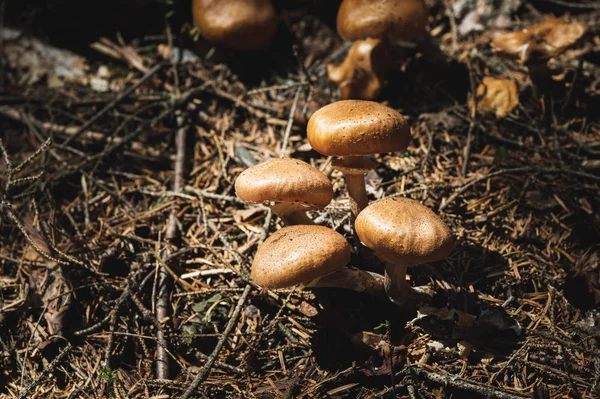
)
(382, 19)
(239, 24)
(356, 128)
(284, 180)
(298, 254)
(401, 230)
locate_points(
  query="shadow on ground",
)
(453, 316)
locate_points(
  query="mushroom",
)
(240, 24)
(403, 233)
(388, 21)
(313, 257)
(290, 187)
(361, 73)
(351, 129)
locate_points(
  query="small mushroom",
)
(290, 187)
(384, 21)
(403, 233)
(351, 129)
(361, 74)
(388, 20)
(312, 256)
(245, 25)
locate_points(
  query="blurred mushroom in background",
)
(244, 25)
(376, 26)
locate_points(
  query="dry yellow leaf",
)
(545, 39)
(497, 96)
(562, 36)
(542, 28)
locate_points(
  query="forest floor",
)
(125, 253)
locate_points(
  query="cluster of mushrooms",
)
(401, 232)
(378, 29)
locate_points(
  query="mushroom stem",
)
(291, 214)
(355, 180)
(398, 289)
(352, 279)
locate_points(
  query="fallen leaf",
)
(562, 36)
(498, 96)
(51, 290)
(39, 60)
(542, 28)
(545, 39)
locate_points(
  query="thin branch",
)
(164, 284)
(41, 149)
(111, 339)
(455, 382)
(290, 122)
(465, 165)
(453, 27)
(205, 370)
(462, 384)
(46, 371)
